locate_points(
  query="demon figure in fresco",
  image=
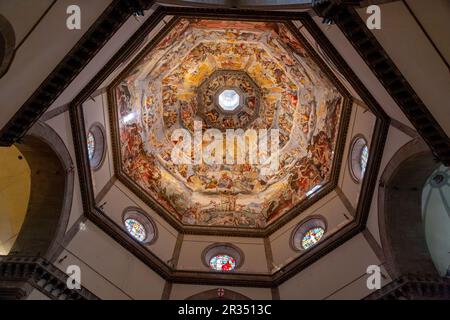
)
(277, 86)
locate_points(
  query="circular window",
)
(139, 226)
(222, 257)
(359, 156)
(307, 234)
(222, 262)
(96, 145)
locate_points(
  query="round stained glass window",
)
(139, 225)
(96, 145)
(311, 237)
(308, 233)
(222, 262)
(136, 229)
(91, 145)
(359, 155)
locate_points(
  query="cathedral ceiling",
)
(208, 78)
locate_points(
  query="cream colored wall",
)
(104, 55)
(42, 51)
(335, 275)
(184, 291)
(330, 207)
(107, 269)
(119, 198)
(193, 246)
(414, 55)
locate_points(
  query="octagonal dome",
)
(207, 78)
(229, 100)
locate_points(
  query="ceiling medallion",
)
(244, 97)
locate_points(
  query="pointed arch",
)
(52, 184)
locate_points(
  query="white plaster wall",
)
(413, 54)
(361, 70)
(109, 270)
(42, 51)
(193, 246)
(334, 272)
(119, 198)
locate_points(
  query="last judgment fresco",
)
(278, 86)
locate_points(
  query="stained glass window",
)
(363, 159)
(136, 229)
(311, 237)
(91, 145)
(222, 262)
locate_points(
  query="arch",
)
(401, 229)
(52, 184)
(7, 45)
(218, 294)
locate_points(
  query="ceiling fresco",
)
(267, 81)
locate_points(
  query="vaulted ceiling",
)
(176, 84)
(284, 71)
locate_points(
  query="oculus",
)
(229, 100)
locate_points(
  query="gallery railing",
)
(18, 273)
